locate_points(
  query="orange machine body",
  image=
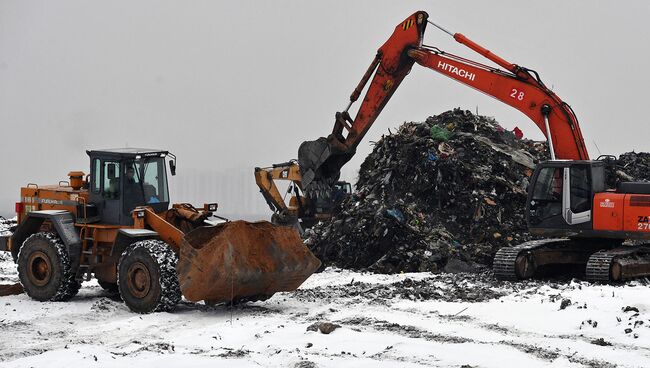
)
(49, 197)
(65, 197)
(625, 212)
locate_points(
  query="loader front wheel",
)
(44, 268)
(146, 277)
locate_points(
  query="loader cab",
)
(560, 197)
(122, 179)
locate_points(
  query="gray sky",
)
(228, 85)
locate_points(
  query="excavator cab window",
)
(546, 200)
(580, 188)
(562, 194)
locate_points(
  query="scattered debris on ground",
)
(324, 327)
(600, 341)
(444, 287)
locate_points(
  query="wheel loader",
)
(117, 225)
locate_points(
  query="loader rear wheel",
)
(146, 277)
(44, 268)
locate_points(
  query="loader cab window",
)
(133, 195)
(111, 179)
(96, 178)
(546, 201)
(145, 183)
(155, 181)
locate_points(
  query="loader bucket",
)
(239, 261)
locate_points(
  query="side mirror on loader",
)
(172, 167)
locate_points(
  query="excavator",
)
(117, 224)
(583, 220)
(302, 211)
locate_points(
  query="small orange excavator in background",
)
(302, 211)
(568, 196)
(117, 225)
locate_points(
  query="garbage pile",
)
(633, 166)
(444, 194)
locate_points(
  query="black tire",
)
(44, 268)
(146, 277)
(111, 287)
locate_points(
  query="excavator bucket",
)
(320, 164)
(240, 261)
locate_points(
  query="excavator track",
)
(517, 263)
(525, 260)
(504, 264)
(598, 266)
(619, 264)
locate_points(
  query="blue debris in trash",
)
(395, 214)
(432, 156)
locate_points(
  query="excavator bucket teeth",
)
(239, 260)
(320, 164)
(311, 156)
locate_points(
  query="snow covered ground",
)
(407, 320)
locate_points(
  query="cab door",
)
(577, 196)
(111, 192)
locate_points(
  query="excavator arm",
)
(321, 160)
(265, 179)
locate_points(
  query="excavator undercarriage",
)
(595, 259)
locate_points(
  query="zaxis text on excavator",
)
(569, 198)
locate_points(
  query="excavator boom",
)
(321, 160)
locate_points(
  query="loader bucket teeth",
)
(239, 261)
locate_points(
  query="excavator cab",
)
(123, 179)
(560, 196)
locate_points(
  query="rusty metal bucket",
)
(242, 260)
